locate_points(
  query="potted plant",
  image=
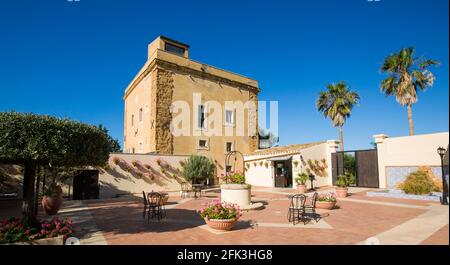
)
(220, 216)
(326, 201)
(197, 169)
(301, 181)
(343, 182)
(52, 199)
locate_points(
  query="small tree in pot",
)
(301, 181)
(197, 169)
(343, 182)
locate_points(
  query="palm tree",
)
(336, 104)
(406, 76)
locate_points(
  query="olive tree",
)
(198, 168)
(34, 140)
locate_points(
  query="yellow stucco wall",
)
(139, 132)
(167, 77)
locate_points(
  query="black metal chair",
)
(311, 208)
(145, 204)
(185, 190)
(163, 205)
(296, 208)
(154, 206)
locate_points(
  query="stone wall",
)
(163, 116)
(253, 121)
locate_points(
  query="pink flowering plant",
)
(220, 210)
(13, 230)
(328, 197)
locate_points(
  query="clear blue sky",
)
(75, 59)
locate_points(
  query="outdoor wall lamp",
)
(312, 178)
(441, 152)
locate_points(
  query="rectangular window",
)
(174, 49)
(229, 147)
(140, 114)
(203, 143)
(201, 117)
(229, 117)
(132, 120)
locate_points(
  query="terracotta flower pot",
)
(52, 205)
(341, 192)
(301, 188)
(325, 205)
(221, 224)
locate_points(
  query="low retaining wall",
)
(148, 175)
(392, 193)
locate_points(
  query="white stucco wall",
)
(317, 152)
(417, 150)
(260, 175)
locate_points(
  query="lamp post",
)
(441, 153)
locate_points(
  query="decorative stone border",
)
(392, 193)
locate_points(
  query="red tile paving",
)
(351, 224)
(438, 238)
(121, 222)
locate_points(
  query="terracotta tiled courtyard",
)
(356, 218)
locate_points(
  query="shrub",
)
(345, 180)
(218, 210)
(420, 182)
(302, 178)
(236, 178)
(198, 168)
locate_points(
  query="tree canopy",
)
(198, 168)
(406, 76)
(114, 143)
(46, 139)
